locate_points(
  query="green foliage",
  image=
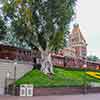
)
(11, 39)
(39, 22)
(57, 42)
(62, 77)
(66, 38)
(2, 29)
(92, 58)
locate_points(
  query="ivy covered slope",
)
(61, 78)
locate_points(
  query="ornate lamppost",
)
(14, 87)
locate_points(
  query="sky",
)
(88, 17)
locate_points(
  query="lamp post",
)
(6, 81)
(15, 63)
(85, 84)
(15, 70)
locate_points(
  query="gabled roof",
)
(5, 43)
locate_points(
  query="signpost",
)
(26, 90)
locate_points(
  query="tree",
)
(40, 24)
(92, 58)
(2, 28)
(66, 38)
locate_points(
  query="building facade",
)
(77, 46)
(78, 42)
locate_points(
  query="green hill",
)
(62, 77)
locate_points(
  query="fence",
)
(58, 91)
(70, 62)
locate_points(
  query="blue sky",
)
(88, 17)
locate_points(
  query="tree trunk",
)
(46, 62)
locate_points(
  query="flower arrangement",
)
(94, 74)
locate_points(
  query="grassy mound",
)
(62, 77)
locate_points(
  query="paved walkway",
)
(65, 97)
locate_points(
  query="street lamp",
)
(85, 66)
(85, 84)
(6, 81)
(8, 75)
(15, 64)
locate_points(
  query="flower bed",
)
(94, 74)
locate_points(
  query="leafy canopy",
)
(93, 58)
(2, 28)
(39, 23)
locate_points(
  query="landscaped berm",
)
(61, 78)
